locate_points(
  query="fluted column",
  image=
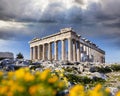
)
(38, 52)
(31, 53)
(78, 51)
(87, 50)
(70, 50)
(56, 50)
(43, 52)
(74, 50)
(49, 52)
(84, 48)
(63, 50)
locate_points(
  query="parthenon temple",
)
(65, 45)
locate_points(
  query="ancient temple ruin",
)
(78, 48)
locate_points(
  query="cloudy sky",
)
(97, 20)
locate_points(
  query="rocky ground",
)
(86, 73)
(113, 79)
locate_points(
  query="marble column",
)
(56, 50)
(78, 51)
(70, 50)
(87, 50)
(84, 49)
(38, 52)
(31, 53)
(49, 52)
(74, 51)
(41, 52)
(63, 49)
(43, 55)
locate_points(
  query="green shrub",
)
(83, 79)
(115, 67)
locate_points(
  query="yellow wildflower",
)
(28, 77)
(1, 73)
(44, 74)
(66, 81)
(77, 90)
(11, 82)
(97, 87)
(61, 84)
(20, 88)
(57, 70)
(33, 90)
(107, 90)
(118, 93)
(10, 74)
(9, 93)
(3, 89)
(53, 79)
(95, 93)
(20, 73)
(61, 75)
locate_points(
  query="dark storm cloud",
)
(56, 11)
(6, 35)
(79, 1)
(99, 19)
(11, 35)
(26, 11)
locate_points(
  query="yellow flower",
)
(61, 75)
(44, 74)
(1, 73)
(16, 87)
(53, 79)
(66, 81)
(11, 82)
(3, 89)
(118, 94)
(20, 89)
(57, 70)
(107, 90)
(97, 87)
(37, 73)
(28, 77)
(10, 74)
(9, 93)
(20, 73)
(77, 90)
(33, 90)
(95, 93)
(61, 84)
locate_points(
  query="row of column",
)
(44, 52)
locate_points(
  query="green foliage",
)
(35, 66)
(83, 79)
(69, 69)
(115, 67)
(19, 56)
(102, 69)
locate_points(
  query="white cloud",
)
(11, 24)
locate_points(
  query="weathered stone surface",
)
(79, 49)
